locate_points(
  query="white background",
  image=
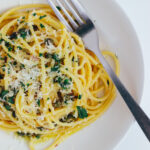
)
(138, 12)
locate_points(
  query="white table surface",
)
(138, 12)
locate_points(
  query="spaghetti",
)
(50, 85)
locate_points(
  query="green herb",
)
(28, 84)
(22, 66)
(11, 100)
(66, 82)
(41, 17)
(40, 54)
(57, 79)
(9, 49)
(48, 98)
(48, 41)
(57, 104)
(61, 82)
(59, 8)
(9, 56)
(22, 84)
(82, 113)
(22, 21)
(38, 136)
(4, 93)
(1, 40)
(23, 17)
(80, 96)
(8, 45)
(15, 63)
(46, 66)
(69, 97)
(47, 55)
(8, 71)
(40, 128)
(21, 133)
(34, 14)
(38, 102)
(41, 25)
(69, 118)
(1, 58)
(1, 76)
(55, 57)
(73, 58)
(23, 33)
(14, 114)
(55, 68)
(7, 106)
(19, 47)
(108, 82)
(3, 67)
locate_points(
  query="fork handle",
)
(138, 113)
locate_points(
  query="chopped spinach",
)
(14, 63)
(1, 76)
(9, 46)
(38, 102)
(19, 47)
(34, 14)
(80, 96)
(41, 17)
(7, 106)
(108, 82)
(66, 82)
(47, 55)
(38, 136)
(56, 67)
(62, 82)
(57, 79)
(1, 40)
(23, 17)
(11, 100)
(47, 41)
(22, 84)
(69, 118)
(40, 128)
(14, 114)
(21, 134)
(22, 66)
(28, 84)
(23, 33)
(59, 8)
(82, 112)
(40, 54)
(3, 93)
(41, 25)
(55, 57)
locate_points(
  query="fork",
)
(85, 28)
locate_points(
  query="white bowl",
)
(117, 35)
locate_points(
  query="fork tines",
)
(71, 9)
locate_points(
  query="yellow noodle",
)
(50, 86)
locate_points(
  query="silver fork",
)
(84, 27)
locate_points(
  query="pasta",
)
(50, 85)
